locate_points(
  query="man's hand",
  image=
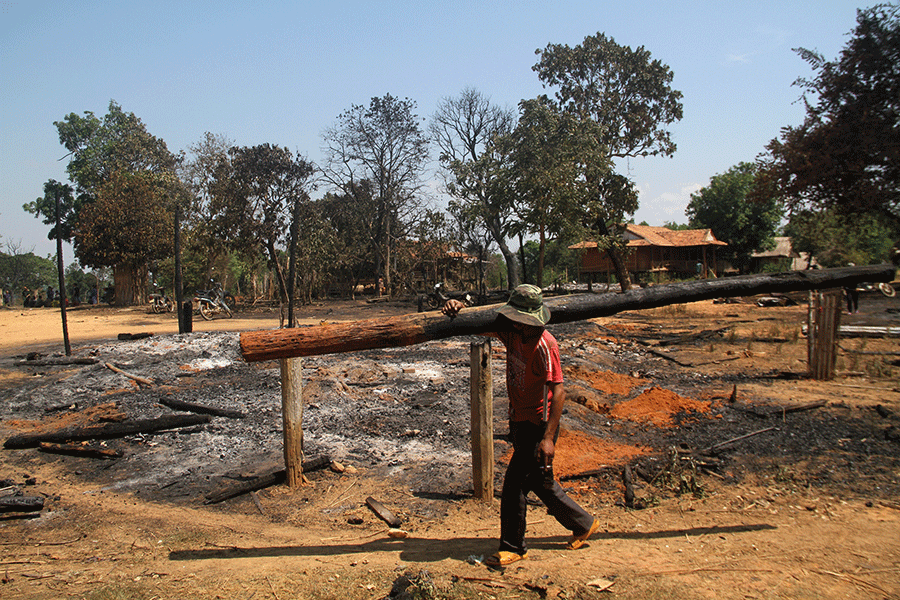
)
(545, 452)
(452, 307)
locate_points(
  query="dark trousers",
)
(523, 476)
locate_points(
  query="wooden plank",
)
(383, 513)
(421, 327)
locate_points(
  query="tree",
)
(112, 157)
(198, 172)
(723, 206)
(19, 269)
(128, 225)
(465, 129)
(630, 98)
(553, 162)
(833, 241)
(254, 194)
(384, 145)
(846, 154)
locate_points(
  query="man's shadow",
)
(414, 549)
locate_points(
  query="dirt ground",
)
(751, 480)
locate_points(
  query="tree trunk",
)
(422, 327)
(130, 282)
(512, 269)
(540, 266)
(279, 272)
(616, 258)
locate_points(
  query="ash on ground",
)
(403, 414)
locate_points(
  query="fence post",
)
(482, 425)
(824, 321)
(292, 418)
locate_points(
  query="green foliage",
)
(18, 270)
(124, 186)
(45, 207)
(624, 100)
(675, 226)
(835, 240)
(118, 143)
(622, 89)
(723, 206)
(846, 154)
(129, 222)
(254, 197)
(560, 262)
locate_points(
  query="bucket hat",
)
(526, 306)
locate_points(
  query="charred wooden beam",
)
(21, 503)
(104, 430)
(79, 450)
(57, 362)
(265, 480)
(421, 327)
(201, 409)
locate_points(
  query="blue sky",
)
(281, 72)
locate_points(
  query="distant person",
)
(94, 294)
(534, 382)
(852, 295)
(76, 295)
(51, 295)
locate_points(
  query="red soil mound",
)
(657, 406)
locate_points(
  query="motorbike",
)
(885, 288)
(438, 297)
(214, 301)
(160, 303)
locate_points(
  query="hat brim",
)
(537, 318)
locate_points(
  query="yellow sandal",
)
(503, 558)
(577, 541)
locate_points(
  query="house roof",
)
(645, 235)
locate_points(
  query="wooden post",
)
(482, 426)
(292, 418)
(824, 322)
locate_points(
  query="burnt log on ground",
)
(201, 409)
(56, 362)
(104, 430)
(422, 327)
(265, 480)
(21, 503)
(79, 450)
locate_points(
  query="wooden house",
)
(656, 251)
(782, 257)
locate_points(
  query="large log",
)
(421, 327)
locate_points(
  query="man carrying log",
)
(534, 384)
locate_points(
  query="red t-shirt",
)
(530, 367)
